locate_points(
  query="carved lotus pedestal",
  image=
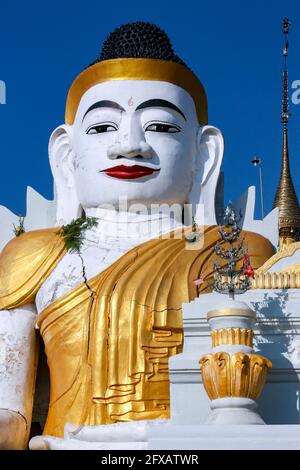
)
(233, 376)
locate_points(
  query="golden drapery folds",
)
(25, 263)
(108, 353)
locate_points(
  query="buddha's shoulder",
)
(25, 262)
(30, 245)
(255, 242)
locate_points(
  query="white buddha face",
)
(135, 140)
(138, 141)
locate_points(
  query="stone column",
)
(233, 376)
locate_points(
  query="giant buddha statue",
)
(135, 155)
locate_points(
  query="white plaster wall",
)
(40, 213)
(268, 227)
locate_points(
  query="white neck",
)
(125, 224)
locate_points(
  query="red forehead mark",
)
(130, 101)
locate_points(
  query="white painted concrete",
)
(204, 437)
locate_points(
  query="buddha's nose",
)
(141, 149)
(130, 143)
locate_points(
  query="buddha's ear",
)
(210, 149)
(61, 159)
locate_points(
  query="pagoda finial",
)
(285, 83)
(286, 198)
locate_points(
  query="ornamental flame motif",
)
(236, 375)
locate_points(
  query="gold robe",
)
(108, 352)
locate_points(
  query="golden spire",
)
(286, 198)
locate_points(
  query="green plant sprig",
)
(20, 228)
(73, 233)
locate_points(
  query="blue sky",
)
(234, 47)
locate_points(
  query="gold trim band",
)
(232, 336)
(281, 280)
(231, 312)
(137, 69)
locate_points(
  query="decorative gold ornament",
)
(286, 253)
(232, 336)
(238, 375)
(286, 278)
(137, 69)
(281, 280)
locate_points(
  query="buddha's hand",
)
(13, 430)
(132, 431)
(133, 435)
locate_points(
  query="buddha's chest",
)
(95, 257)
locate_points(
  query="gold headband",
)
(137, 69)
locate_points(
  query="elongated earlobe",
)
(210, 145)
(61, 162)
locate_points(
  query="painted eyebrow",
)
(104, 104)
(160, 103)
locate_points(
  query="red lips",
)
(129, 172)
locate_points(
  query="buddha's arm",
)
(18, 363)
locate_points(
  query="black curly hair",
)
(138, 40)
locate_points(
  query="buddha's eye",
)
(101, 128)
(161, 127)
